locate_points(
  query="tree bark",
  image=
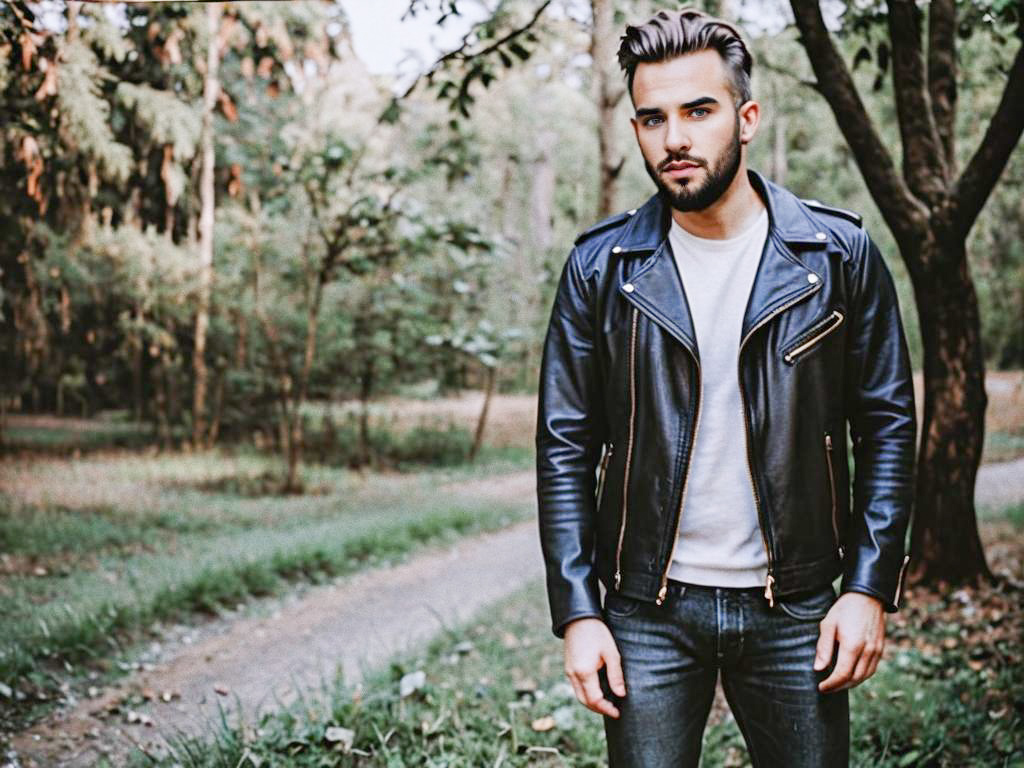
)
(608, 92)
(211, 87)
(481, 423)
(945, 543)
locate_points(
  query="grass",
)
(946, 694)
(98, 552)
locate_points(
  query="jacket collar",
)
(782, 278)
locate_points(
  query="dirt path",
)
(259, 662)
(353, 625)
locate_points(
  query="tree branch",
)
(460, 54)
(905, 216)
(924, 165)
(986, 165)
(942, 75)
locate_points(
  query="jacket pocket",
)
(812, 337)
(832, 493)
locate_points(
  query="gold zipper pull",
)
(661, 594)
(769, 593)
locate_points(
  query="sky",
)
(388, 45)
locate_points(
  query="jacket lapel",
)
(782, 278)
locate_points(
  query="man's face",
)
(689, 131)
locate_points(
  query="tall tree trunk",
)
(608, 92)
(481, 423)
(780, 159)
(945, 535)
(211, 88)
(137, 343)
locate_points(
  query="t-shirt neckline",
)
(719, 244)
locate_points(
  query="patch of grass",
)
(39, 531)
(98, 616)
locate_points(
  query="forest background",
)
(223, 235)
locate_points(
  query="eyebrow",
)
(645, 111)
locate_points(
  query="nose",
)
(677, 137)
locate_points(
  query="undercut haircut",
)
(669, 34)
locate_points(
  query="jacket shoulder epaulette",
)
(843, 213)
(605, 224)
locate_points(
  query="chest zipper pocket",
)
(832, 492)
(815, 335)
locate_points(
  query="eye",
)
(700, 109)
(652, 121)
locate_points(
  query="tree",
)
(930, 208)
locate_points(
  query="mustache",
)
(680, 159)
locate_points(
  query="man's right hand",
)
(589, 645)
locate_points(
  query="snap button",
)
(627, 287)
(820, 235)
(812, 278)
(617, 249)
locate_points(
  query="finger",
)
(613, 667)
(860, 672)
(576, 688)
(848, 658)
(826, 644)
(594, 697)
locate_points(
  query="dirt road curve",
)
(360, 622)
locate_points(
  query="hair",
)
(667, 35)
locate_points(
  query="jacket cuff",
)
(559, 629)
(890, 601)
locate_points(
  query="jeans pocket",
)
(618, 605)
(810, 606)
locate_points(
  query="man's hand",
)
(589, 646)
(857, 622)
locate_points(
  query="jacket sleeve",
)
(568, 442)
(879, 395)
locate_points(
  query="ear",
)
(750, 118)
(636, 128)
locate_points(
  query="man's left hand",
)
(857, 622)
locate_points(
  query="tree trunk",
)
(608, 92)
(478, 438)
(944, 537)
(211, 88)
(137, 343)
(780, 160)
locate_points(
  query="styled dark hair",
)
(670, 34)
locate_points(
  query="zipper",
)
(899, 581)
(663, 591)
(602, 472)
(629, 446)
(769, 587)
(832, 490)
(832, 322)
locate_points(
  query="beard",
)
(684, 195)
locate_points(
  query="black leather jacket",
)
(822, 345)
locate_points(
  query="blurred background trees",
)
(216, 217)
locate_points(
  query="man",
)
(703, 358)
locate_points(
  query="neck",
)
(729, 215)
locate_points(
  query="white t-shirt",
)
(719, 541)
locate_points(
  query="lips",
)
(680, 169)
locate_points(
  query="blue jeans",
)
(671, 657)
